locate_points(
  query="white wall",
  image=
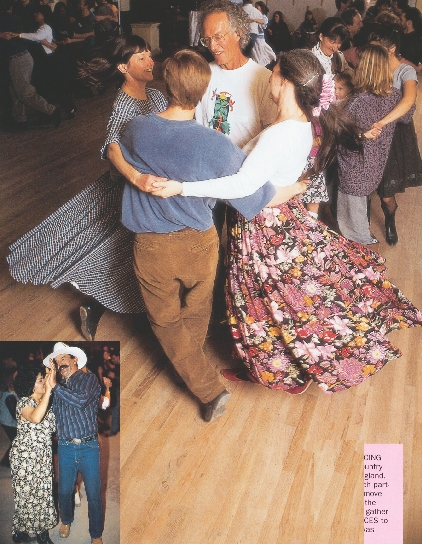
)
(294, 10)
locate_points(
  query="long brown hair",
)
(302, 68)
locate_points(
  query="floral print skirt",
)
(305, 303)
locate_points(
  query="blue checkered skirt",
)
(83, 243)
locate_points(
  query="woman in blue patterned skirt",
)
(83, 242)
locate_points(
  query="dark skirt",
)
(404, 164)
(83, 243)
(305, 303)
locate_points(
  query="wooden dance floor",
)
(275, 469)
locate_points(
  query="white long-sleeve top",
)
(277, 155)
(43, 33)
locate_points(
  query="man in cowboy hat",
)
(75, 405)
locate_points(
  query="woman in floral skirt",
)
(305, 304)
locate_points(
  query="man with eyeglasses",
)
(237, 101)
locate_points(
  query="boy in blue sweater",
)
(176, 244)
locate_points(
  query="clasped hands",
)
(156, 185)
(374, 131)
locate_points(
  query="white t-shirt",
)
(253, 13)
(237, 102)
(278, 155)
(43, 33)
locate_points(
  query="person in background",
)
(45, 8)
(278, 32)
(262, 52)
(106, 22)
(17, 53)
(353, 21)
(306, 31)
(359, 176)
(411, 40)
(330, 36)
(341, 6)
(404, 164)
(255, 19)
(24, 9)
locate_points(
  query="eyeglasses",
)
(218, 38)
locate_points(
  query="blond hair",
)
(373, 72)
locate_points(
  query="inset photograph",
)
(59, 442)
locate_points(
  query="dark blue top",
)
(184, 151)
(75, 405)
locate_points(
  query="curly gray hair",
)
(237, 17)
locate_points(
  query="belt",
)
(81, 440)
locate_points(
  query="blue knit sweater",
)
(184, 151)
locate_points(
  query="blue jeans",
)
(84, 458)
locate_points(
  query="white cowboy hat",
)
(60, 348)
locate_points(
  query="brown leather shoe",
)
(97, 540)
(64, 530)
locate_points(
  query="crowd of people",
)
(353, 14)
(39, 52)
(42, 397)
(305, 303)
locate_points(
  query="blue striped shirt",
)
(75, 405)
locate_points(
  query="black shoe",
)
(90, 317)
(215, 408)
(391, 235)
(43, 538)
(21, 537)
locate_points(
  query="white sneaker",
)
(77, 498)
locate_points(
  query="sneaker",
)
(77, 498)
(215, 408)
(64, 531)
(373, 241)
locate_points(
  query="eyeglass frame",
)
(206, 40)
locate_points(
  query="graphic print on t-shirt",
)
(223, 104)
